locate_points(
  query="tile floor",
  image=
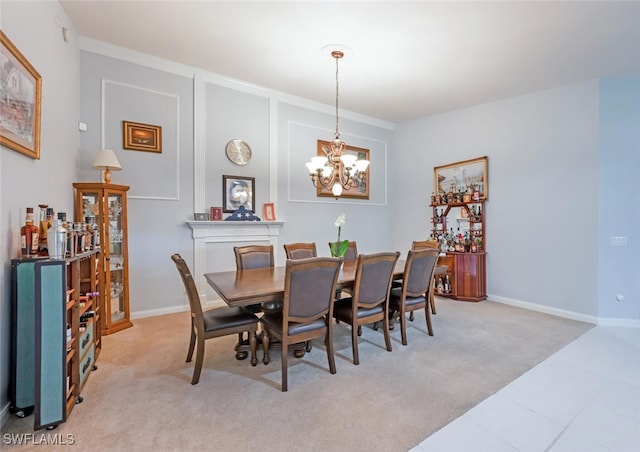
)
(584, 398)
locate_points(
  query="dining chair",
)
(212, 323)
(416, 280)
(309, 285)
(438, 270)
(352, 251)
(370, 300)
(300, 250)
(257, 256)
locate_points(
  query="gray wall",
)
(551, 210)
(619, 199)
(33, 29)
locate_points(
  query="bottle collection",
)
(469, 234)
(56, 238)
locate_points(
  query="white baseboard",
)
(603, 321)
(174, 309)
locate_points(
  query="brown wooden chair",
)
(213, 322)
(438, 270)
(416, 280)
(352, 251)
(370, 300)
(300, 250)
(257, 256)
(309, 287)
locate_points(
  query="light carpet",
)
(140, 398)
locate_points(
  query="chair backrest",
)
(374, 273)
(422, 244)
(309, 288)
(253, 256)
(300, 250)
(352, 251)
(418, 271)
(190, 287)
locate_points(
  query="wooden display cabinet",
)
(466, 270)
(106, 206)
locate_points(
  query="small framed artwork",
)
(201, 216)
(269, 212)
(20, 102)
(215, 213)
(141, 137)
(360, 186)
(468, 176)
(238, 191)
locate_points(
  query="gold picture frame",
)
(465, 176)
(20, 106)
(141, 137)
(360, 190)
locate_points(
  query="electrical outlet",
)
(619, 241)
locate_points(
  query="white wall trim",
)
(103, 94)
(629, 323)
(199, 143)
(131, 56)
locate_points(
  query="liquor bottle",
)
(29, 235)
(447, 284)
(70, 249)
(57, 240)
(43, 226)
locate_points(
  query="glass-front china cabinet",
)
(104, 206)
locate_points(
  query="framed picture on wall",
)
(468, 176)
(238, 191)
(360, 186)
(20, 101)
(141, 137)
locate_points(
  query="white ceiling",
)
(410, 59)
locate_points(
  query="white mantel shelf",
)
(229, 229)
(204, 232)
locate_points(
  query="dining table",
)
(260, 285)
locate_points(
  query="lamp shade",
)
(107, 161)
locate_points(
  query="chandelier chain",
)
(337, 91)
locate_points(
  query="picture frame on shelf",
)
(20, 108)
(215, 214)
(238, 191)
(141, 137)
(360, 189)
(467, 175)
(201, 216)
(268, 212)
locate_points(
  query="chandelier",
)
(336, 170)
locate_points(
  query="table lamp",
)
(107, 161)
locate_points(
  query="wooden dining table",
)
(259, 285)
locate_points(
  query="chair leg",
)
(387, 336)
(328, 340)
(403, 326)
(265, 347)
(253, 343)
(427, 313)
(359, 330)
(199, 358)
(411, 316)
(284, 352)
(192, 342)
(354, 343)
(432, 300)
